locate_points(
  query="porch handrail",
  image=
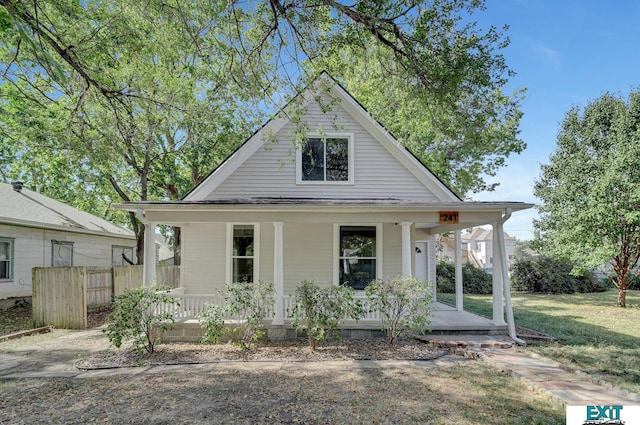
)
(191, 305)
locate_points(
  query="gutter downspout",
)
(505, 279)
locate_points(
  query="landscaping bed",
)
(282, 351)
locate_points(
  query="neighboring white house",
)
(346, 205)
(479, 243)
(37, 231)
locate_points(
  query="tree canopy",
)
(590, 190)
(115, 101)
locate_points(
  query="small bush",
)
(318, 311)
(249, 304)
(474, 280)
(211, 321)
(139, 315)
(404, 304)
(553, 276)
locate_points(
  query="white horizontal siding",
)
(308, 254)
(32, 248)
(392, 250)
(271, 172)
(204, 258)
(267, 234)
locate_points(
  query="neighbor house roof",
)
(482, 234)
(31, 209)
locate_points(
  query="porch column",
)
(407, 251)
(458, 263)
(498, 281)
(431, 267)
(149, 267)
(278, 273)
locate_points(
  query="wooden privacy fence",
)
(59, 297)
(128, 277)
(62, 295)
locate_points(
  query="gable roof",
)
(482, 234)
(31, 209)
(327, 84)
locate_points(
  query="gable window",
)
(61, 254)
(326, 160)
(244, 253)
(6, 258)
(357, 256)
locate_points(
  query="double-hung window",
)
(357, 256)
(61, 253)
(6, 258)
(243, 253)
(326, 160)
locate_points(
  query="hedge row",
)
(544, 275)
(551, 276)
(474, 280)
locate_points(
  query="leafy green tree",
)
(147, 97)
(137, 113)
(590, 190)
(462, 142)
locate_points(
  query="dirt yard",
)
(298, 390)
(466, 394)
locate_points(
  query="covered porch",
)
(446, 320)
(281, 226)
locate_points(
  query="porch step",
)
(468, 341)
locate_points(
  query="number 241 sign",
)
(448, 217)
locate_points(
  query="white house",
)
(477, 248)
(37, 231)
(479, 243)
(345, 205)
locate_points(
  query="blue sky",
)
(565, 53)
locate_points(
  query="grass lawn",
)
(594, 335)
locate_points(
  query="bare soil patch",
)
(19, 318)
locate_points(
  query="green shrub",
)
(211, 320)
(474, 280)
(547, 275)
(404, 304)
(318, 311)
(249, 304)
(140, 315)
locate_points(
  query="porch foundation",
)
(445, 321)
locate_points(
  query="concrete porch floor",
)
(446, 320)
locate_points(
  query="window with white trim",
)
(357, 256)
(61, 253)
(6, 258)
(326, 159)
(243, 254)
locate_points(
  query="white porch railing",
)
(190, 306)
